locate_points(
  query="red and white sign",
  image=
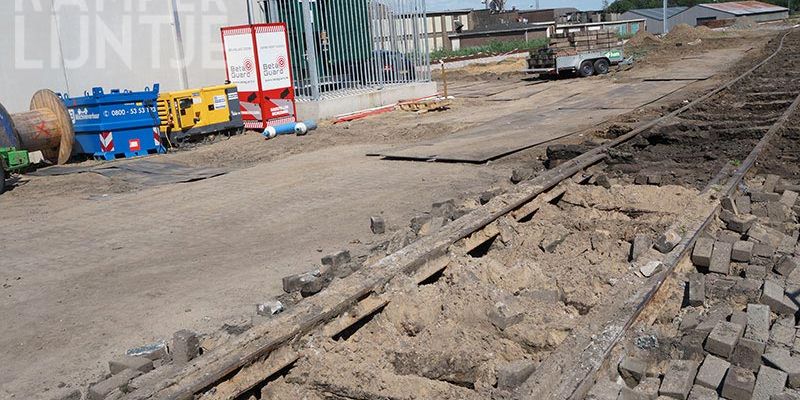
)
(157, 137)
(107, 142)
(134, 145)
(257, 60)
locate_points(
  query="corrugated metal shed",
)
(658, 13)
(740, 8)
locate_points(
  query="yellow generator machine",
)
(193, 113)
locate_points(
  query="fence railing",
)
(339, 47)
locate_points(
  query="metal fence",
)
(339, 47)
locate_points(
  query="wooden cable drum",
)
(47, 127)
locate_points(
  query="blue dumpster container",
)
(119, 124)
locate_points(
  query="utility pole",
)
(666, 28)
(249, 12)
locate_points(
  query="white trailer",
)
(583, 64)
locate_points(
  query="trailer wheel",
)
(601, 66)
(2, 181)
(586, 69)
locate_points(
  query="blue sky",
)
(437, 5)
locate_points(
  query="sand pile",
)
(644, 38)
(684, 33)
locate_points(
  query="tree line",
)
(621, 6)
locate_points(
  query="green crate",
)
(14, 159)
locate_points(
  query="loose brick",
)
(789, 198)
(769, 382)
(748, 354)
(337, 259)
(445, 209)
(783, 332)
(747, 290)
(739, 318)
(654, 180)
(101, 389)
(604, 390)
(727, 236)
(641, 243)
(739, 384)
(721, 258)
(774, 297)
(712, 372)
(668, 240)
(758, 321)
(141, 364)
(293, 283)
(502, 317)
(697, 289)
(701, 255)
(377, 225)
(651, 268)
(757, 272)
(786, 265)
(764, 250)
(737, 223)
(742, 251)
(717, 313)
(771, 182)
(786, 395)
(729, 204)
(762, 197)
(647, 389)
(512, 375)
(722, 339)
(702, 393)
(786, 363)
(632, 370)
(766, 235)
(678, 379)
(743, 204)
(185, 346)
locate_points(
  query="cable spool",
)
(47, 127)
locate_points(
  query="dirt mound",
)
(644, 38)
(683, 33)
(744, 23)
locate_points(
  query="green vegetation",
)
(495, 47)
(621, 6)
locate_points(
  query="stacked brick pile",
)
(738, 337)
(579, 42)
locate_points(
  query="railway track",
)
(528, 296)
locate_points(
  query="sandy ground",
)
(99, 265)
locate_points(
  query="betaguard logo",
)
(244, 71)
(275, 69)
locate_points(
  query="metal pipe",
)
(311, 51)
(47, 127)
(177, 36)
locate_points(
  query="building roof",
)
(658, 13)
(450, 12)
(744, 7)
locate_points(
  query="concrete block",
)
(786, 265)
(603, 181)
(779, 213)
(789, 198)
(632, 370)
(727, 236)
(641, 243)
(742, 251)
(185, 347)
(789, 244)
(748, 354)
(738, 384)
(758, 320)
(722, 339)
(718, 312)
(697, 289)
(747, 290)
(773, 296)
(153, 351)
(668, 240)
(101, 389)
(138, 363)
(678, 379)
(737, 223)
(701, 254)
(743, 204)
(739, 318)
(293, 283)
(766, 235)
(786, 363)
(702, 393)
(514, 374)
(502, 317)
(640, 180)
(721, 258)
(712, 372)
(787, 394)
(551, 242)
(647, 389)
(769, 382)
(651, 268)
(691, 345)
(763, 197)
(521, 174)
(729, 204)
(783, 332)
(313, 286)
(764, 250)
(756, 272)
(760, 210)
(445, 209)
(604, 390)
(377, 225)
(337, 259)
(771, 182)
